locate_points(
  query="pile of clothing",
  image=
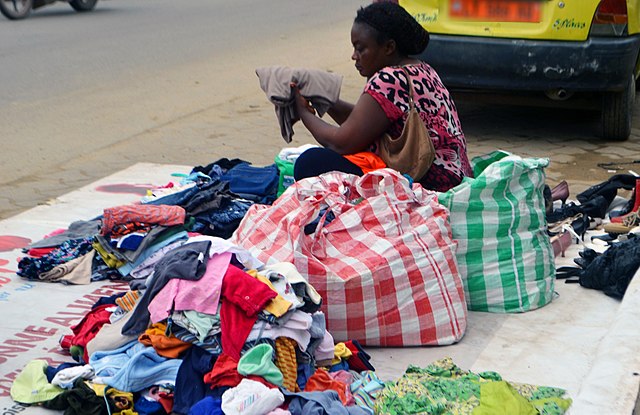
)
(204, 327)
(211, 321)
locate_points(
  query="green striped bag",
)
(504, 254)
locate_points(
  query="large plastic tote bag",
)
(378, 251)
(498, 218)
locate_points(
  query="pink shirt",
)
(202, 295)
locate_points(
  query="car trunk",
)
(523, 19)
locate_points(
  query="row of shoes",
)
(589, 213)
(626, 222)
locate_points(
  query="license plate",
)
(496, 10)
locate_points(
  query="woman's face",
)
(369, 56)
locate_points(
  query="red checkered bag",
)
(381, 256)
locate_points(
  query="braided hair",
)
(392, 22)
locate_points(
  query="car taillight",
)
(610, 18)
(611, 11)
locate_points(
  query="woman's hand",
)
(365, 122)
(302, 104)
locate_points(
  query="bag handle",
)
(406, 73)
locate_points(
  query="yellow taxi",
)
(556, 47)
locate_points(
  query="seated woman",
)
(384, 35)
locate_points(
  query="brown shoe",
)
(629, 222)
(560, 192)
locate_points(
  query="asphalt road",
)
(83, 95)
(74, 84)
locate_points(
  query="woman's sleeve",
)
(381, 88)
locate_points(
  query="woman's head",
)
(383, 33)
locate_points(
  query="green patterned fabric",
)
(504, 253)
(442, 388)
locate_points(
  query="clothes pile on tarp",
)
(208, 327)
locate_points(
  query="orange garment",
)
(366, 160)
(170, 347)
(321, 381)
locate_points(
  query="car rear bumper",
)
(598, 64)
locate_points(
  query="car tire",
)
(617, 112)
(83, 5)
(16, 9)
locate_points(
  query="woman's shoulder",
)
(393, 74)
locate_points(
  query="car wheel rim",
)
(18, 6)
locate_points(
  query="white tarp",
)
(583, 341)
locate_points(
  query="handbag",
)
(412, 152)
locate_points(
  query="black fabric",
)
(317, 161)
(610, 272)
(81, 400)
(608, 189)
(594, 208)
(224, 163)
(209, 197)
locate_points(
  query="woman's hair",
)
(393, 22)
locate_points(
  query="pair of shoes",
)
(594, 208)
(558, 227)
(560, 192)
(635, 206)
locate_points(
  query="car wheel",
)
(83, 5)
(617, 112)
(16, 9)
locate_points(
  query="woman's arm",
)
(340, 111)
(365, 123)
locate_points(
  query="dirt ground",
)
(205, 110)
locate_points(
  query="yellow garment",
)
(121, 400)
(341, 351)
(109, 259)
(98, 388)
(500, 398)
(277, 306)
(287, 363)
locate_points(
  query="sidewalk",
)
(583, 341)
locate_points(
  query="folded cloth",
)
(77, 230)
(77, 271)
(321, 88)
(66, 377)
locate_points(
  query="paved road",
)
(84, 95)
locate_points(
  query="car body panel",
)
(598, 64)
(556, 51)
(572, 21)
(551, 47)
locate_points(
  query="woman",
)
(384, 35)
